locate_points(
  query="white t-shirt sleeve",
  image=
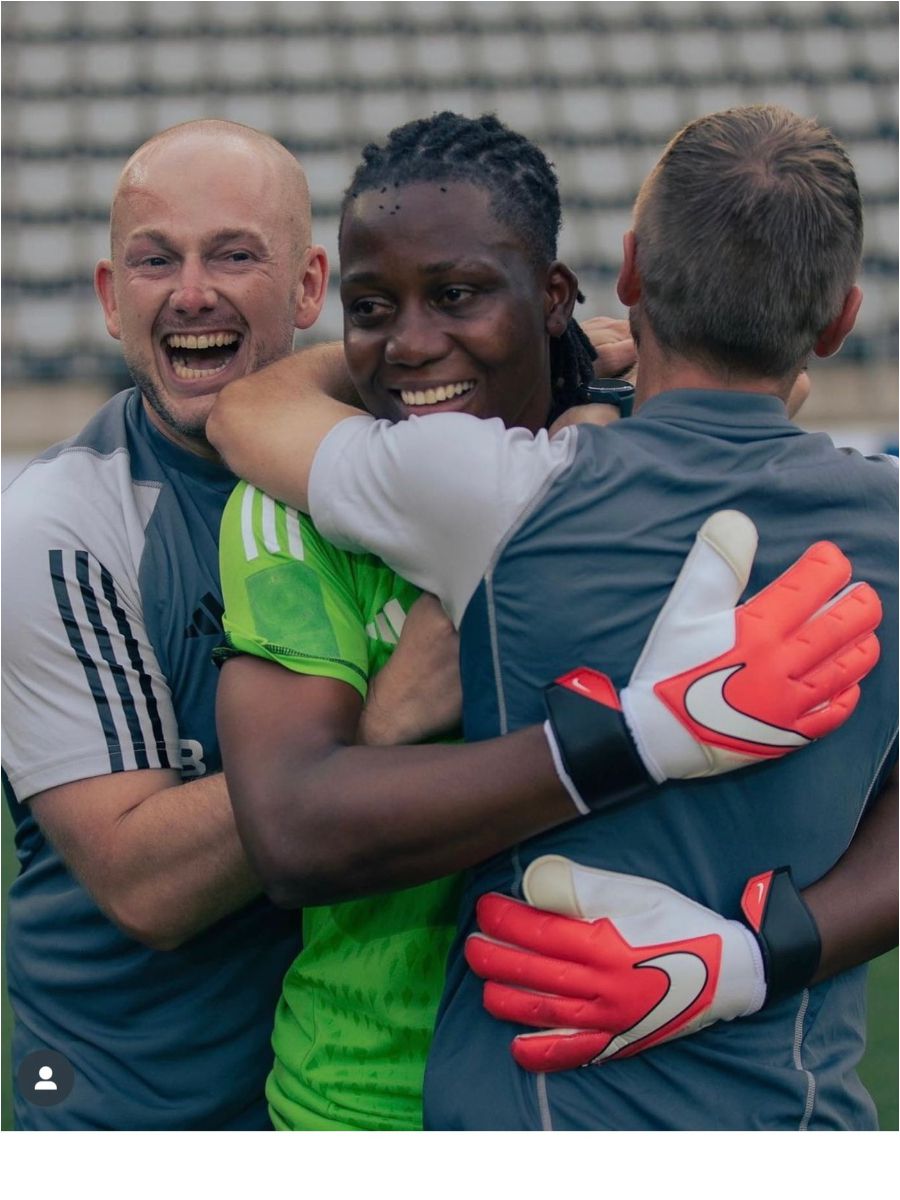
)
(433, 496)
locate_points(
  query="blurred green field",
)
(878, 1069)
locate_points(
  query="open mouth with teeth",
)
(436, 395)
(200, 356)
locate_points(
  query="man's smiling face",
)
(209, 252)
(444, 309)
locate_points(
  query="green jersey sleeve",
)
(292, 597)
(289, 595)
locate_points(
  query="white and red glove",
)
(639, 965)
(718, 687)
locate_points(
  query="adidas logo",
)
(388, 625)
(207, 617)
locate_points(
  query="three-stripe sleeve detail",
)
(137, 663)
(267, 531)
(103, 653)
(73, 631)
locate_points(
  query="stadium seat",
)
(600, 86)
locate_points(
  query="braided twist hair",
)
(524, 194)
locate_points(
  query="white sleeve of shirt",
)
(433, 496)
(83, 693)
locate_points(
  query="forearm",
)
(176, 864)
(855, 904)
(268, 425)
(361, 820)
(417, 694)
(162, 859)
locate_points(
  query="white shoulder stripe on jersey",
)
(250, 547)
(269, 526)
(270, 534)
(295, 538)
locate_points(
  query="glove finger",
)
(840, 626)
(511, 921)
(543, 1011)
(506, 964)
(718, 566)
(558, 1050)
(710, 582)
(831, 678)
(832, 716)
(800, 591)
(617, 908)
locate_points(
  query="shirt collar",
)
(177, 457)
(722, 408)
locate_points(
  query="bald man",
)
(144, 966)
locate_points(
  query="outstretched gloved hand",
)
(719, 685)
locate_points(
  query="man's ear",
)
(106, 294)
(628, 287)
(560, 293)
(312, 288)
(832, 336)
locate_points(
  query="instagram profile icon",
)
(45, 1077)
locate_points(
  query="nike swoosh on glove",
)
(718, 687)
(642, 964)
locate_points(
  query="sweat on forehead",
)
(254, 155)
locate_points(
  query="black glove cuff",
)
(596, 748)
(786, 930)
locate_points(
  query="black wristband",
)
(617, 392)
(596, 748)
(785, 929)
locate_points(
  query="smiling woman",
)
(444, 310)
(453, 297)
(453, 301)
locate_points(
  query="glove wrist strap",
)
(785, 929)
(598, 755)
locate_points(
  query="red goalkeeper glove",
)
(718, 687)
(642, 964)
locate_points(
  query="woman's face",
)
(444, 308)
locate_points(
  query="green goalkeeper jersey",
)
(357, 1008)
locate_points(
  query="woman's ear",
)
(559, 298)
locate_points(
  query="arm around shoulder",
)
(268, 425)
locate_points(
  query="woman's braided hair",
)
(524, 194)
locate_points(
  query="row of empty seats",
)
(95, 18)
(584, 115)
(331, 61)
(600, 86)
(56, 191)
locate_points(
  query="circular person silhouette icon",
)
(45, 1077)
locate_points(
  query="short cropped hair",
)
(524, 193)
(749, 237)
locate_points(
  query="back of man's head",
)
(749, 236)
